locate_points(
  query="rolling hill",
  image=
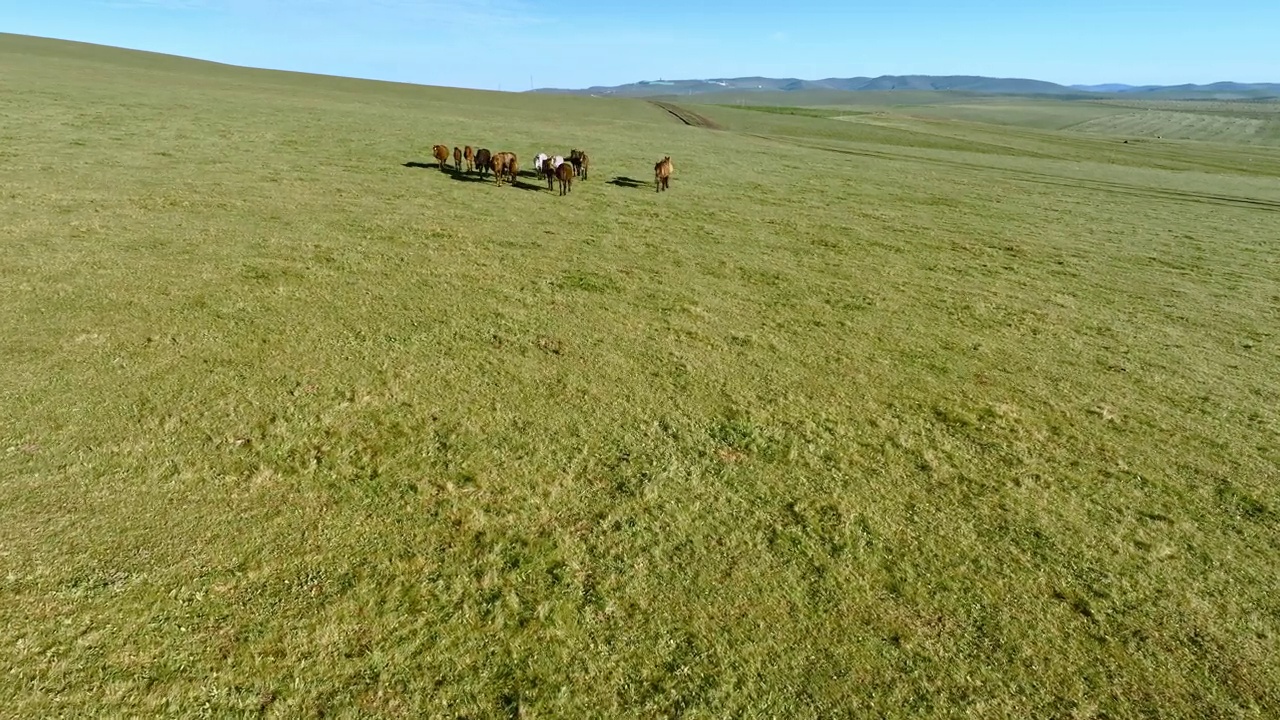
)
(874, 415)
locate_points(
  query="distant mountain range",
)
(955, 83)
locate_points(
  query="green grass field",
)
(896, 416)
(1249, 122)
(1216, 127)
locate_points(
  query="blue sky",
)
(504, 44)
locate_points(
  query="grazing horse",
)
(442, 155)
(580, 162)
(457, 159)
(662, 173)
(565, 174)
(484, 161)
(470, 157)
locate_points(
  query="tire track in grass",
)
(688, 117)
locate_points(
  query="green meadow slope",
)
(890, 415)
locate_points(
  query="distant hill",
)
(1218, 88)
(960, 83)
(955, 83)
(1106, 88)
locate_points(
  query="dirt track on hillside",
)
(687, 117)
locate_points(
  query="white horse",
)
(538, 160)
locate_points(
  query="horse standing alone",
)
(662, 173)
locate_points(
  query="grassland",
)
(897, 416)
(1248, 122)
(1239, 126)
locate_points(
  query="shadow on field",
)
(470, 177)
(463, 176)
(627, 182)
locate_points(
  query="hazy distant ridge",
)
(955, 83)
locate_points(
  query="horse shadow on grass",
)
(526, 186)
(627, 182)
(464, 176)
(474, 177)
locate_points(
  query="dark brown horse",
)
(457, 159)
(580, 162)
(441, 154)
(470, 157)
(484, 161)
(662, 173)
(549, 172)
(565, 174)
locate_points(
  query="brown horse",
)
(662, 173)
(457, 159)
(565, 174)
(549, 172)
(504, 166)
(498, 164)
(484, 161)
(513, 167)
(470, 157)
(580, 162)
(442, 155)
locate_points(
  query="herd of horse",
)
(506, 166)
